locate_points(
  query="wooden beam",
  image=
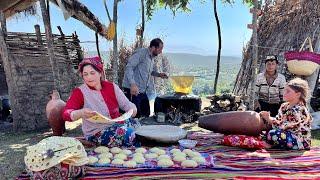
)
(18, 6)
(38, 33)
(3, 23)
(254, 66)
(47, 26)
(4, 54)
(83, 14)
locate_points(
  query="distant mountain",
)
(184, 59)
(187, 60)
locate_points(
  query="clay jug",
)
(235, 122)
(54, 110)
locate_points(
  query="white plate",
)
(162, 133)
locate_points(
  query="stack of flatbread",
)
(51, 151)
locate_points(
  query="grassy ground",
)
(13, 146)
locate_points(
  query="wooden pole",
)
(219, 46)
(255, 53)
(3, 23)
(38, 33)
(97, 45)
(47, 25)
(4, 55)
(115, 44)
(142, 23)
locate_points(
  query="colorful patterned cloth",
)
(230, 163)
(297, 120)
(243, 141)
(119, 134)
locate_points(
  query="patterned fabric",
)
(296, 120)
(273, 93)
(230, 163)
(282, 139)
(243, 141)
(119, 134)
(60, 171)
(94, 61)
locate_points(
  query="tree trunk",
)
(47, 25)
(142, 23)
(3, 24)
(255, 54)
(97, 44)
(219, 46)
(115, 44)
(8, 72)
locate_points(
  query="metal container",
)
(161, 117)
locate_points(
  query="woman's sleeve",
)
(74, 102)
(299, 118)
(123, 101)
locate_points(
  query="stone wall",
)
(32, 77)
(33, 82)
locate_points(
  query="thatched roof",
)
(78, 10)
(282, 27)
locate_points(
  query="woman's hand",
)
(82, 113)
(134, 113)
(87, 113)
(265, 115)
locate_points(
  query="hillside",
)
(185, 60)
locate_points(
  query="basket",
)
(302, 63)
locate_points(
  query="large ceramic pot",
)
(235, 122)
(54, 110)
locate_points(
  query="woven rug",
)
(230, 162)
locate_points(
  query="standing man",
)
(137, 79)
(269, 87)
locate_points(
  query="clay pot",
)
(235, 122)
(54, 110)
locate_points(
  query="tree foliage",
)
(173, 5)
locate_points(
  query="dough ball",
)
(175, 151)
(151, 155)
(104, 161)
(179, 154)
(164, 156)
(194, 154)
(101, 149)
(179, 158)
(126, 151)
(161, 152)
(189, 163)
(115, 150)
(92, 160)
(130, 164)
(165, 162)
(154, 149)
(199, 159)
(120, 156)
(187, 151)
(117, 162)
(139, 159)
(105, 155)
(141, 150)
(137, 154)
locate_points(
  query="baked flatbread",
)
(99, 118)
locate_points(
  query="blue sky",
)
(193, 32)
